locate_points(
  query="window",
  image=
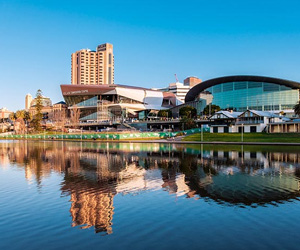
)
(287, 106)
(217, 88)
(240, 85)
(282, 87)
(109, 58)
(228, 86)
(109, 75)
(254, 85)
(271, 87)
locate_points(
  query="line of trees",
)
(23, 119)
(20, 120)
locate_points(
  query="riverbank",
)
(192, 137)
(246, 138)
(171, 141)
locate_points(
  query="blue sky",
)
(152, 41)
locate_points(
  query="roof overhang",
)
(75, 90)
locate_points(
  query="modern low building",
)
(115, 102)
(178, 89)
(240, 93)
(181, 89)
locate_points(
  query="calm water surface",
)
(68, 195)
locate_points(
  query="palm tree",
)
(297, 109)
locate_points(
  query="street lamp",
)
(242, 132)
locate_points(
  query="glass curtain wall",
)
(264, 96)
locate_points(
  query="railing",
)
(249, 122)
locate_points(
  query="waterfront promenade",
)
(182, 137)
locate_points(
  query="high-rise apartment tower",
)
(93, 67)
(28, 100)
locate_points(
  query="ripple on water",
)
(69, 195)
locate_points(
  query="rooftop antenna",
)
(176, 78)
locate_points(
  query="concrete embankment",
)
(134, 135)
(170, 141)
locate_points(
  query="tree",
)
(20, 114)
(188, 112)
(38, 109)
(297, 109)
(74, 116)
(25, 116)
(12, 116)
(187, 123)
(20, 126)
(211, 109)
(20, 119)
(165, 113)
(59, 118)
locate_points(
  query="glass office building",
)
(240, 93)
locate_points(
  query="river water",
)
(72, 195)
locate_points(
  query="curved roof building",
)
(104, 102)
(249, 92)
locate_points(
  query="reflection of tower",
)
(91, 189)
(28, 173)
(92, 208)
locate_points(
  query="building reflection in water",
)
(94, 173)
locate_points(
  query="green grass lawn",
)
(248, 137)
